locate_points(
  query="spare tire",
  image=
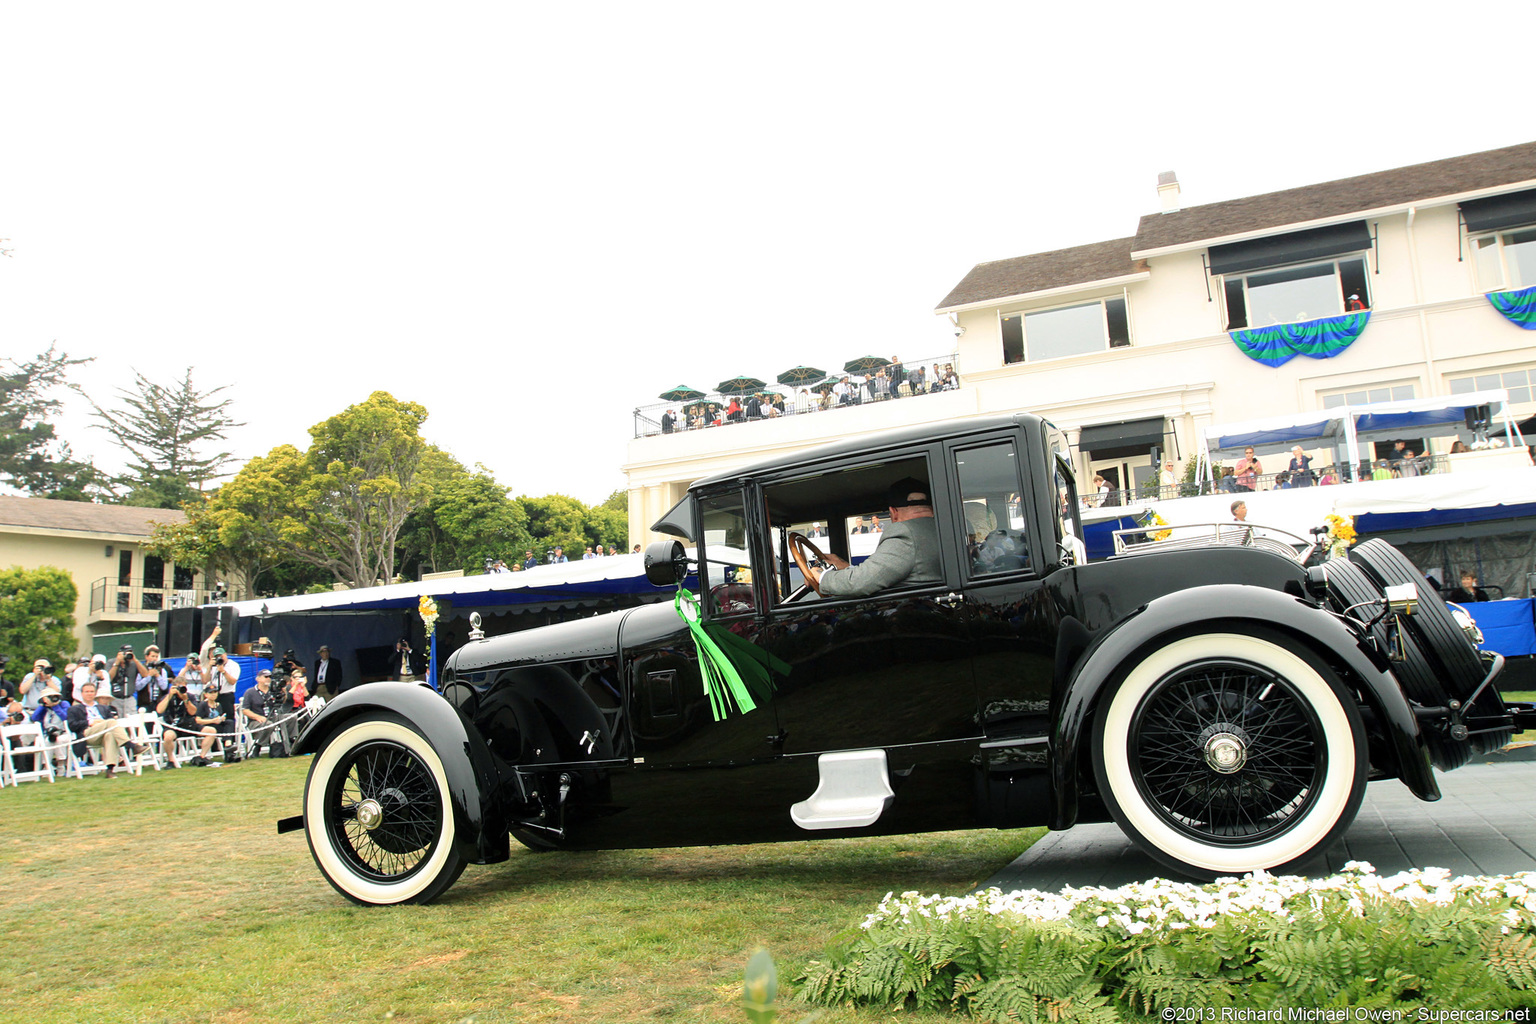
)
(1450, 651)
(1349, 588)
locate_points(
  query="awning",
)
(1134, 434)
(1295, 247)
(1511, 210)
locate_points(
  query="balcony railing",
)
(798, 400)
(136, 598)
(1338, 474)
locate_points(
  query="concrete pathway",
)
(1483, 824)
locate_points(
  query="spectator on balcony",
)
(1383, 470)
(733, 412)
(804, 402)
(1167, 481)
(1354, 304)
(1329, 477)
(1409, 466)
(668, 421)
(754, 409)
(917, 380)
(1395, 458)
(1248, 471)
(1300, 468)
(842, 391)
(880, 385)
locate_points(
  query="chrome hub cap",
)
(370, 815)
(1225, 753)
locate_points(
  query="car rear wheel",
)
(1223, 753)
(378, 814)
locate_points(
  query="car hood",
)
(595, 637)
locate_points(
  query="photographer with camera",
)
(175, 708)
(400, 665)
(257, 710)
(221, 676)
(208, 719)
(7, 688)
(35, 683)
(153, 676)
(122, 681)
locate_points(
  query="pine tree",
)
(166, 431)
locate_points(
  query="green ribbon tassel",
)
(722, 675)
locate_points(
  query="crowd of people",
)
(554, 556)
(106, 713)
(887, 382)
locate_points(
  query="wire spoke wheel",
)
(1227, 751)
(385, 811)
(378, 814)
(1221, 753)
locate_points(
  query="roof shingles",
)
(1331, 199)
(1081, 264)
(83, 517)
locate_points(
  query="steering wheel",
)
(803, 549)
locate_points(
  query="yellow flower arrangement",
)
(427, 608)
(1341, 534)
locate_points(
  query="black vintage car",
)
(1224, 703)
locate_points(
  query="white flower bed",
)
(1161, 904)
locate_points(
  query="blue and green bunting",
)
(734, 671)
(1518, 307)
(1320, 339)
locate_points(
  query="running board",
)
(293, 824)
(855, 789)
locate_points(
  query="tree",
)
(165, 430)
(37, 615)
(32, 457)
(464, 519)
(556, 520)
(246, 528)
(362, 485)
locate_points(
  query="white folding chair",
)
(138, 727)
(80, 767)
(30, 739)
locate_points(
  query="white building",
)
(1138, 343)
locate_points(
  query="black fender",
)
(473, 780)
(1229, 607)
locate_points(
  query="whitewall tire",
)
(1222, 753)
(378, 814)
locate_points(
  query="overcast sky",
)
(532, 218)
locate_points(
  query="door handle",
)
(949, 600)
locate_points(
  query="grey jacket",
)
(908, 554)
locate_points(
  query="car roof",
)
(870, 444)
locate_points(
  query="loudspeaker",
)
(177, 633)
(223, 616)
(1476, 417)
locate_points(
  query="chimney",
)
(1168, 191)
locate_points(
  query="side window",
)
(991, 498)
(725, 572)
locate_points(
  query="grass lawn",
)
(170, 897)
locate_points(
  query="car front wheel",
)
(378, 814)
(1224, 753)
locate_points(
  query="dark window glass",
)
(1237, 309)
(1119, 323)
(1013, 338)
(184, 578)
(991, 499)
(1352, 281)
(125, 568)
(154, 571)
(724, 551)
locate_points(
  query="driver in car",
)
(908, 552)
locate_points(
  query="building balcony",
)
(139, 601)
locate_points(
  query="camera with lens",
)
(15, 717)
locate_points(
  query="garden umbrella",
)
(865, 365)
(681, 393)
(801, 375)
(740, 386)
